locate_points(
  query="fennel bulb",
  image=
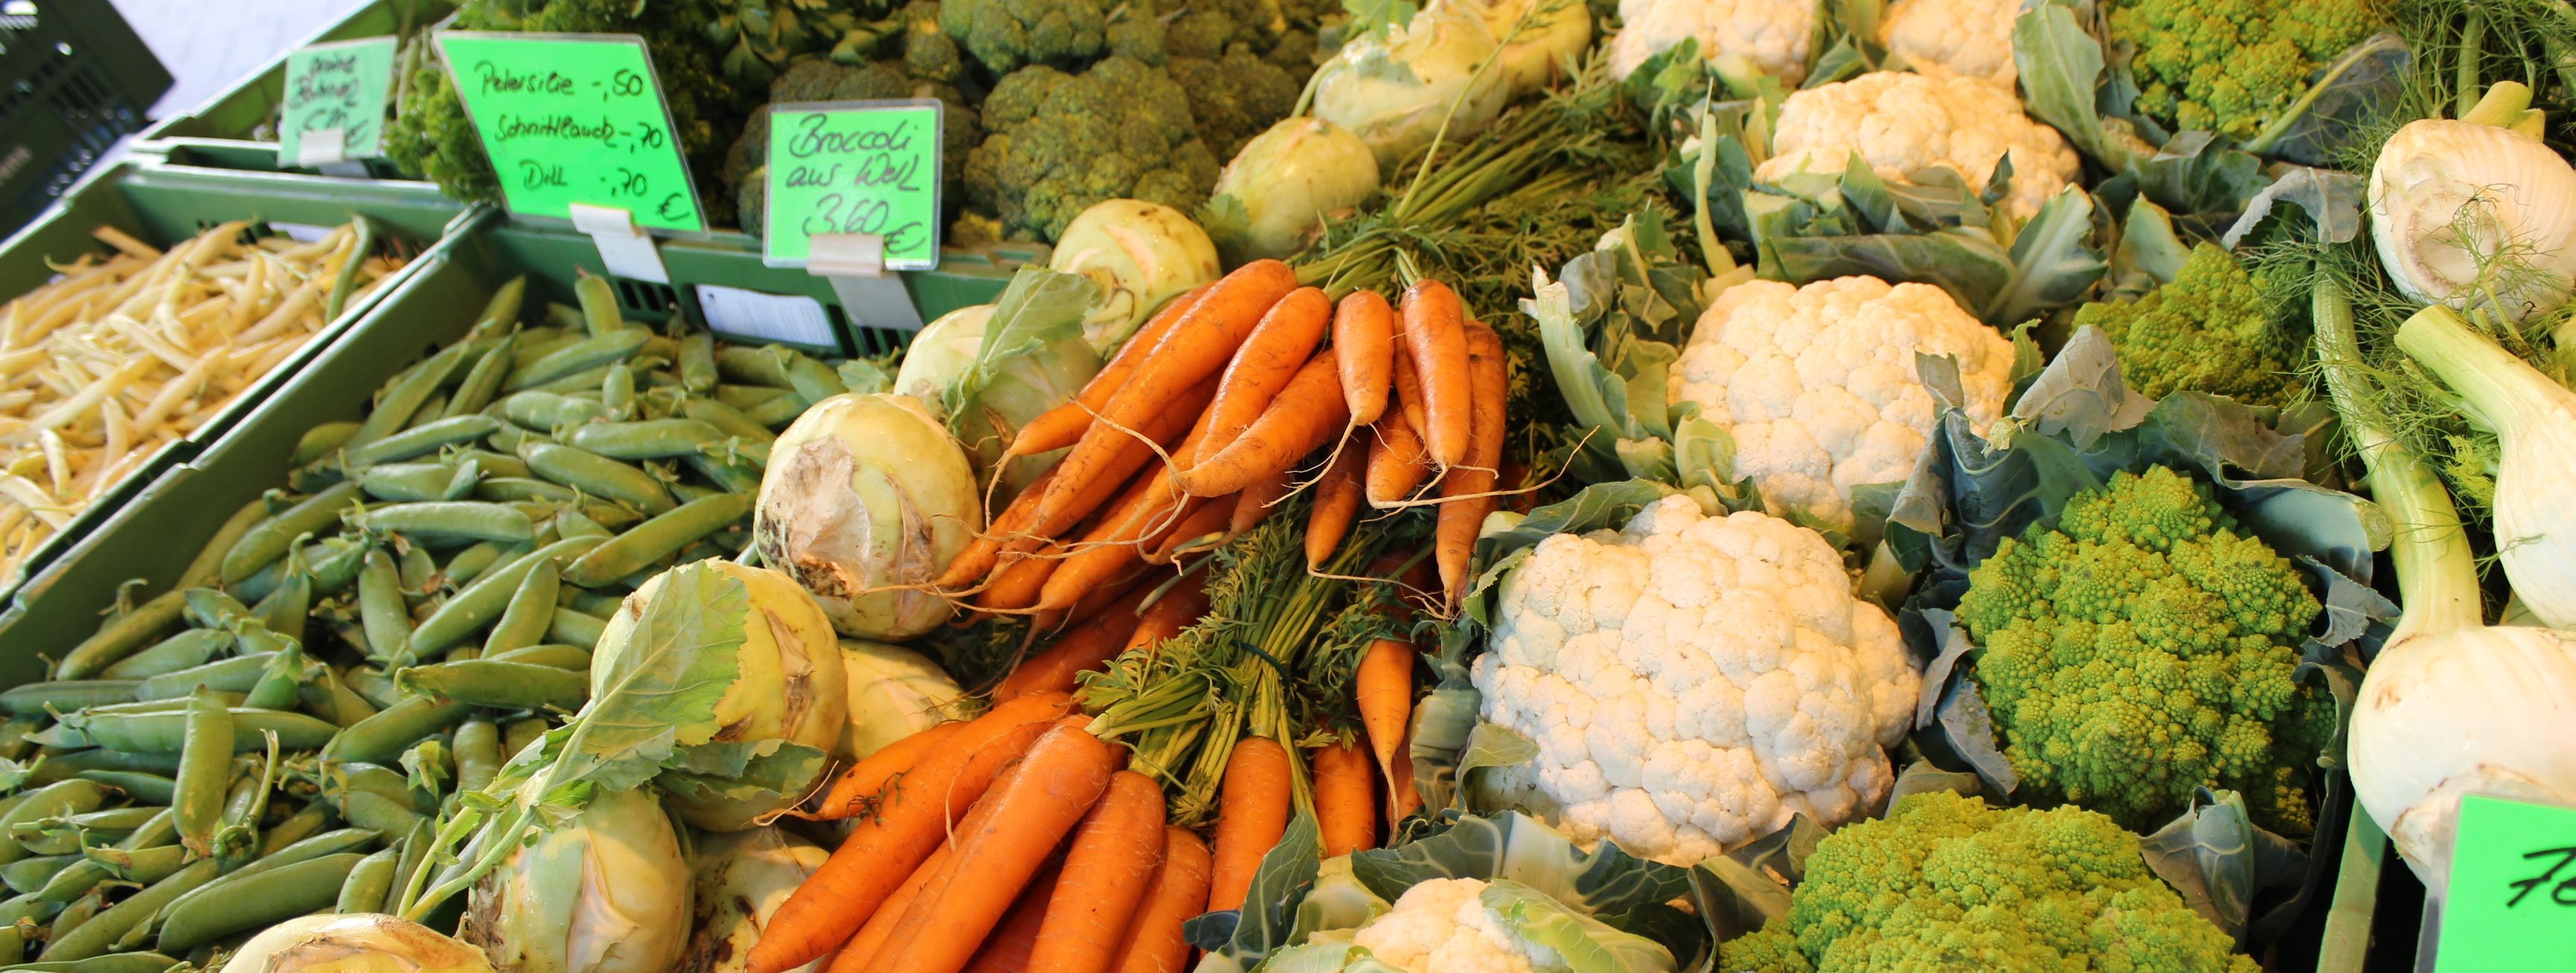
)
(1140, 254)
(2477, 213)
(2450, 706)
(1289, 179)
(1550, 33)
(363, 942)
(865, 500)
(1395, 92)
(606, 892)
(2534, 419)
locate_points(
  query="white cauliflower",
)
(1969, 37)
(1900, 122)
(1693, 681)
(1441, 926)
(1771, 34)
(1819, 387)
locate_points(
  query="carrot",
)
(1200, 517)
(1434, 330)
(1454, 539)
(1252, 812)
(1088, 646)
(1178, 890)
(1307, 414)
(1021, 577)
(1200, 341)
(1514, 476)
(1106, 874)
(1000, 846)
(1178, 609)
(1018, 527)
(856, 789)
(1095, 601)
(1401, 797)
(910, 819)
(1408, 393)
(1253, 504)
(1345, 799)
(1063, 425)
(1337, 502)
(1397, 463)
(1116, 540)
(1385, 696)
(1276, 349)
(1009, 948)
(870, 940)
(1364, 349)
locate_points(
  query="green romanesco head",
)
(2211, 330)
(2233, 66)
(1946, 883)
(1060, 142)
(2143, 648)
(1009, 34)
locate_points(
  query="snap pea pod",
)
(165, 732)
(61, 767)
(430, 411)
(596, 604)
(598, 301)
(584, 383)
(326, 697)
(744, 398)
(418, 482)
(518, 489)
(404, 396)
(122, 637)
(154, 705)
(365, 887)
(234, 675)
(383, 737)
(530, 611)
(482, 382)
(79, 877)
(473, 562)
(731, 421)
(478, 754)
(140, 865)
(547, 410)
(149, 788)
(264, 544)
(597, 475)
(617, 391)
(282, 683)
(67, 797)
(80, 911)
(646, 439)
(208, 564)
(581, 356)
(657, 538)
(518, 734)
(284, 611)
(187, 649)
(126, 962)
(573, 523)
(510, 438)
(491, 464)
(765, 365)
(421, 440)
(68, 834)
(452, 520)
(29, 874)
(205, 768)
(477, 604)
(378, 812)
(416, 571)
(381, 610)
(100, 933)
(575, 628)
(688, 493)
(66, 695)
(321, 441)
(559, 656)
(507, 685)
(813, 380)
(374, 686)
(331, 565)
(777, 412)
(697, 362)
(306, 822)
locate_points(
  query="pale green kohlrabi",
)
(2477, 213)
(605, 892)
(742, 879)
(1139, 255)
(1289, 179)
(1394, 92)
(987, 379)
(2450, 706)
(865, 500)
(782, 714)
(1539, 37)
(364, 942)
(894, 693)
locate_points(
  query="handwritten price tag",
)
(2512, 903)
(335, 93)
(574, 118)
(855, 168)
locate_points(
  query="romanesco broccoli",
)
(2143, 648)
(2211, 330)
(1060, 142)
(2232, 66)
(1946, 883)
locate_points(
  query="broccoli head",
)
(2146, 647)
(1235, 97)
(2233, 66)
(2210, 330)
(1060, 142)
(1946, 883)
(1009, 34)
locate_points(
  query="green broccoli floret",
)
(2210, 330)
(1235, 97)
(1946, 883)
(2143, 648)
(928, 52)
(1009, 34)
(2232, 66)
(1060, 142)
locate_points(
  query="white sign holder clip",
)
(327, 151)
(625, 249)
(855, 265)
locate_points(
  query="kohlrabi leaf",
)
(660, 693)
(1514, 846)
(2218, 860)
(1039, 313)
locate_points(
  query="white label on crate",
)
(739, 313)
(301, 232)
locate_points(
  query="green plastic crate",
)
(161, 204)
(74, 79)
(236, 129)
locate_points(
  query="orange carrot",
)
(1119, 538)
(1270, 356)
(1092, 603)
(1345, 799)
(1454, 538)
(1307, 414)
(1200, 341)
(910, 819)
(1397, 463)
(1106, 874)
(1000, 846)
(1088, 646)
(1401, 797)
(1200, 517)
(1178, 891)
(1364, 348)
(1408, 394)
(1434, 331)
(1252, 812)
(1021, 577)
(1179, 421)
(1337, 502)
(863, 948)
(1018, 528)
(1010, 949)
(1253, 504)
(1385, 696)
(1063, 425)
(856, 789)
(1178, 609)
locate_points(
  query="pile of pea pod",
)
(277, 734)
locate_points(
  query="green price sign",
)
(2512, 903)
(574, 118)
(859, 168)
(335, 101)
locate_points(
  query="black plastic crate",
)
(74, 79)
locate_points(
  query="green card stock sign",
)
(574, 118)
(335, 101)
(860, 168)
(2512, 903)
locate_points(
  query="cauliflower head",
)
(1692, 681)
(1964, 37)
(2146, 647)
(1470, 925)
(1900, 122)
(1770, 34)
(1819, 388)
(2210, 330)
(1946, 883)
